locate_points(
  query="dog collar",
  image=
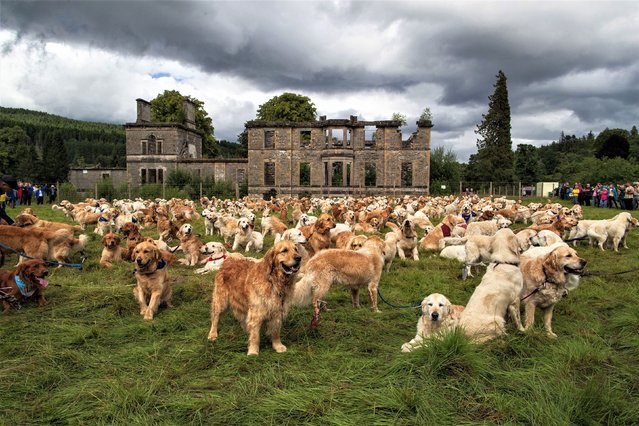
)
(23, 287)
(161, 265)
(101, 219)
(210, 259)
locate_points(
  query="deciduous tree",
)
(168, 107)
(287, 107)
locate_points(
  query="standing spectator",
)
(629, 194)
(603, 196)
(596, 195)
(635, 197)
(53, 193)
(587, 191)
(20, 193)
(575, 193)
(39, 193)
(613, 195)
(8, 185)
(29, 193)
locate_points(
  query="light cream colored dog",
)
(215, 254)
(612, 231)
(438, 316)
(498, 293)
(246, 238)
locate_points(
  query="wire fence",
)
(230, 190)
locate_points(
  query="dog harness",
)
(445, 230)
(467, 217)
(161, 265)
(23, 287)
(101, 219)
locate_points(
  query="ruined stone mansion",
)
(324, 157)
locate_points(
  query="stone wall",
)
(86, 179)
(340, 145)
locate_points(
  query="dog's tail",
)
(452, 241)
(303, 293)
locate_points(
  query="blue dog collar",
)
(23, 287)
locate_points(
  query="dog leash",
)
(48, 262)
(397, 306)
(600, 274)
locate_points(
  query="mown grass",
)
(89, 358)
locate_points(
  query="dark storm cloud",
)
(576, 56)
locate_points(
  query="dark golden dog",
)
(34, 242)
(151, 275)
(320, 237)
(112, 252)
(24, 283)
(257, 292)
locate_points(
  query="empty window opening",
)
(150, 145)
(337, 178)
(152, 176)
(348, 174)
(160, 175)
(407, 174)
(369, 136)
(269, 138)
(305, 174)
(143, 176)
(269, 174)
(305, 138)
(370, 174)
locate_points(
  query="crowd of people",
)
(23, 193)
(619, 196)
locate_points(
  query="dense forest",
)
(87, 143)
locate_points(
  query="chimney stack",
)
(189, 113)
(144, 111)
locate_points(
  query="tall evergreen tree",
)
(494, 146)
(54, 154)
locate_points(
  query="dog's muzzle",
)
(434, 316)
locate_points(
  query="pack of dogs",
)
(323, 243)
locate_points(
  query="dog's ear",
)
(552, 269)
(104, 240)
(117, 239)
(269, 260)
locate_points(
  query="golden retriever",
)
(190, 244)
(246, 238)
(498, 292)
(320, 237)
(24, 283)
(34, 242)
(258, 292)
(438, 315)
(112, 251)
(407, 241)
(355, 269)
(547, 280)
(25, 220)
(215, 254)
(151, 275)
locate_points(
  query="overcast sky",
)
(571, 66)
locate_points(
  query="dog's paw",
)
(552, 335)
(406, 347)
(279, 348)
(148, 316)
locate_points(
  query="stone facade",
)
(324, 157)
(336, 157)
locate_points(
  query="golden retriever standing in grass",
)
(151, 275)
(355, 269)
(258, 292)
(438, 315)
(547, 280)
(498, 293)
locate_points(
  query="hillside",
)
(87, 143)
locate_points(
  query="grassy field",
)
(89, 358)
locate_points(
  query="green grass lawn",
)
(88, 357)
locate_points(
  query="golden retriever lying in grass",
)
(355, 269)
(438, 315)
(24, 283)
(498, 292)
(151, 275)
(258, 292)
